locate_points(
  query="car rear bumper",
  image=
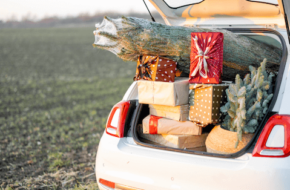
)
(123, 162)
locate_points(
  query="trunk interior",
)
(267, 36)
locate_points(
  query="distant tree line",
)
(80, 20)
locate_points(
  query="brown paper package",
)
(175, 141)
(207, 102)
(178, 113)
(172, 127)
(164, 93)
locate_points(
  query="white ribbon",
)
(202, 60)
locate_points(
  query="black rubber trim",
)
(204, 0)
(130, 115)
(249, 147)
(287, 26)
(182, 5)
(264, 3)
(286, 20)
(152, 18)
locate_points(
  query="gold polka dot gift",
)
(206, 103)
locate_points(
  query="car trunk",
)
(258, 30)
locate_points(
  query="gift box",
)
(206, 57)
(175, 141)
(163, 93)
(205, 102)
(179, 113)
(155, 68)
(159, 125)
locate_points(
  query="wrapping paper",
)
(206, 57)
(163, 93)
(178, 113)
(206, 103)
(155, 68)
(175, 141)
(170, 127)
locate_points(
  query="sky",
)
(62, 8)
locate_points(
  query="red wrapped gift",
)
(154, 68)
(206, 57)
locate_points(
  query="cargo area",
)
(195, 144)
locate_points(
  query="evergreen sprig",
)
(247, 101)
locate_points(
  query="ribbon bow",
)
(143, 69)
(202, 60)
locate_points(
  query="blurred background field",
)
(56, 92)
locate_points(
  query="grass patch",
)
(56, 92)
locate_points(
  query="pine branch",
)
(247, 101)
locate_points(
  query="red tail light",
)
(107, 183)
(263, 149)
(116, 119)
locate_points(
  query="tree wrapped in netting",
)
(129, 37)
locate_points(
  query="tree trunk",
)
(129, 37)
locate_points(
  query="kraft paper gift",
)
(158, 125)
(164, 93)
(178, 113)
(175, 141)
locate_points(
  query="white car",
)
(125, 162)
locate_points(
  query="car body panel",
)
(132, 92)
(122, 162)
(284, 98)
